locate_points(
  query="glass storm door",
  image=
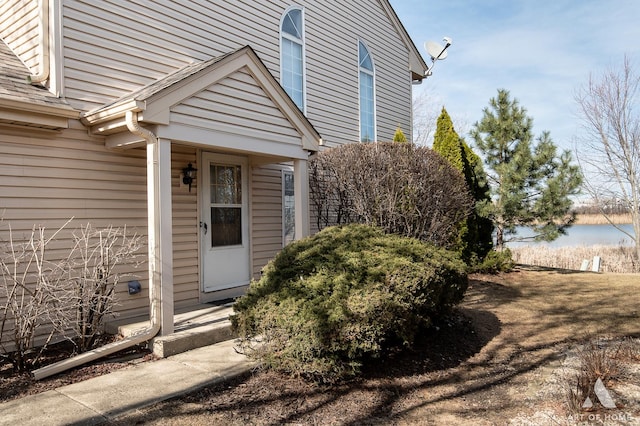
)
(225, 220)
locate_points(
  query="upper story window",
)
(292, 75)
(367, 94)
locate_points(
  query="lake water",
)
(583, 235)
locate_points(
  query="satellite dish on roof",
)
(437, 52)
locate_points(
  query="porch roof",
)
(154, 103)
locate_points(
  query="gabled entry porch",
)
(233, 122)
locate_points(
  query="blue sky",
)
(539, 50)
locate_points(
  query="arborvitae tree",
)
(399, 136)
(531, 184)
(446, 141)
(476, 231)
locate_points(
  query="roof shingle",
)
(15, 86)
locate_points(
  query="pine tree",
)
(476, 232)
(531, 184)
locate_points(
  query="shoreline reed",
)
(598, 219)
(614, 259)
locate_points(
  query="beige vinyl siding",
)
(266, 214)
(46, 178)
(186, 272)
(114, 46)
(335, 112)
(151, 41)
(332, 78)
(69, 174)
(236, 105)
(19, 28)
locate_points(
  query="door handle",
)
(203, 225)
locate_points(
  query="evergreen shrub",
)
(496, 261)
(328, 302)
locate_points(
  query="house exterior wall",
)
(237, 106)
(186, 275)
(266, 214)
(47, 178)
(19, 28)
(112, 47)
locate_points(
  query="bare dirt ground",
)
(13, 385)
(506, 357)
(501, 360)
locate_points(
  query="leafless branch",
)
(609, 148)
(405, 190)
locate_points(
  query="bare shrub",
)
(95, 269)
(406, 190)
(28, 288)
(628, 350)
(578, 393)
(598, 361)
(47, 295)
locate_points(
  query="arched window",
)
(367, 94)
(292, 75)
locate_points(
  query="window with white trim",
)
(288, 208)
(367, 94)
(292, 69)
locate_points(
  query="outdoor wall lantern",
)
(188, 175)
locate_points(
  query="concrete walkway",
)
(101, 399)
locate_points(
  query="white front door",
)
(225, 222)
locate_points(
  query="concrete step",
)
(202, 326)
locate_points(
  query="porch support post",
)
(301, 198)
(160, 226)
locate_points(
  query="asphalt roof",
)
(15, 86)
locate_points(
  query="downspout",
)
(45, 64)
(141, 336)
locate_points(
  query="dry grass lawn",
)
(503, 366)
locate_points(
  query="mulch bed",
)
(17, 385)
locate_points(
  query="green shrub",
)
(496, 261)
(326, 303)
(475, 233)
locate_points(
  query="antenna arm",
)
(429, 71)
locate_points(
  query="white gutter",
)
(45, 64)
(154, 290)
